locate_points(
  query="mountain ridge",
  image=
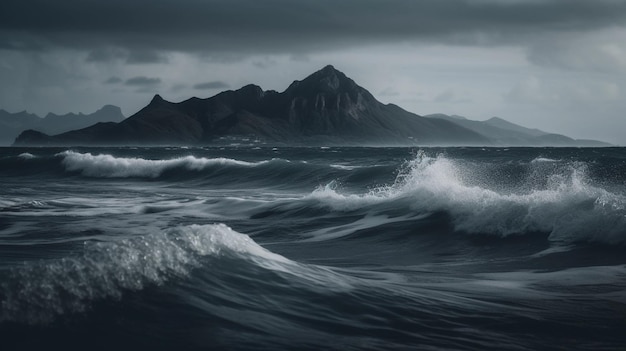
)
(505, 133)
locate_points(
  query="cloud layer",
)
(137, 30)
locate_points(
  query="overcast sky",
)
(557, 65)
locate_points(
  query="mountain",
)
(325, 108)
(12, 124)
(506, 125)
(503, 132)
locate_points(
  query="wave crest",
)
(39, 292)
(108, 166)
(558, 199)
(26, 156)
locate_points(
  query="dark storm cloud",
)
(145, 56)
(142, 81)
(288, 25)
(108, 54)
(211, 85)
(105, 55)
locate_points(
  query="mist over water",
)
(313, 248)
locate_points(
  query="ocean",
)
(295, 248)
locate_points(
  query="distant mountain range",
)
(502, 132)
(326, 108)
(12, 124)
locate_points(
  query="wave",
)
(552, 197)
(214, 256)
(346, 167)
(108, 166)
(26, 156)
(275, 172)
(38, 292)
(544, 159)
(199, 171)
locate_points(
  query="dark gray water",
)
(313, 248)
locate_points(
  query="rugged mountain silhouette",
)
(12, 124)
(325, 108)
(503, 132)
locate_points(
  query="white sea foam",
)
(544, 159)
(345, 167)
(565, 204)
(120, 167)
(26, 156)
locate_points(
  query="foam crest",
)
(543, 159)
(557, 200)
(38, 292)
(345, 167)
(26, 156)
(109, 166)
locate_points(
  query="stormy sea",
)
(308, 248)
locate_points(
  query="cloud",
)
(288, 26)
(113, 80)
(530, 90)
(300, 58)
(145, 56)
(105, 54)
(211, 85)
(602, 51)
(111, 54)
(264, 63)
(533, 90)
(449, 96)
(142, 81)
(178, 88)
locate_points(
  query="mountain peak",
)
(251, 89)
(328, 80)
(329, 69)
(157, 98)
(328, 72)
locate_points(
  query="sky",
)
(556, 65)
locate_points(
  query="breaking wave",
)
(26, 156)
(118, 167)
(38, 292)
(551, 197)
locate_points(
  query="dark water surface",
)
(243, 248)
